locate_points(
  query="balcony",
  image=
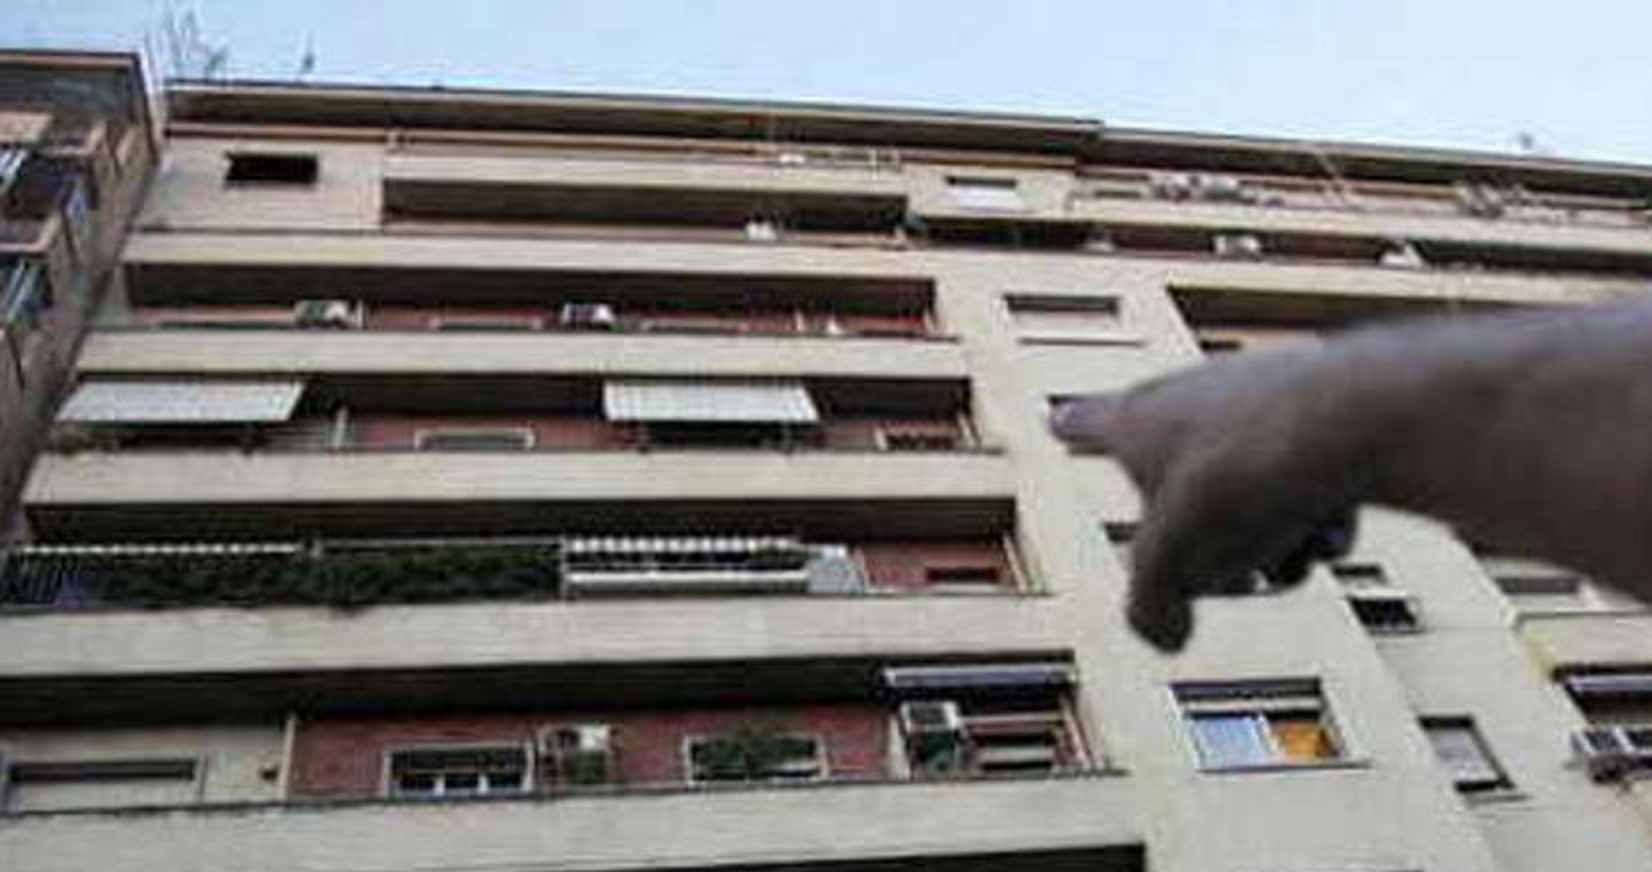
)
(804, 188)
(1562, 642)
(1465, 214)
(361, 573)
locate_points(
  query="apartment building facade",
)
(502, 480)
(76, 151)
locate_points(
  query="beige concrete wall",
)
(190, 191)
(234, 477)
(235, 764)
(1392, 808)
(838, 822)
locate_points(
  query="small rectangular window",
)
(1259, 724)
(52, 785)
(1463, 751)
(917, 439)
(459, 771)
(985, 193)
(272, 168)
(1068, 319)
(1360, 575)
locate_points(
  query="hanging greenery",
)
(751, 751)
(343, 579)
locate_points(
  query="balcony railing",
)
(776, 154)
(1511, 203)
(361, 573)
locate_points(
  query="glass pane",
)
(1459, 749)
(1232, 740)
(1302, 737)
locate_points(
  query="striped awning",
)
(182, 402)
(770, 402)
(678, 544)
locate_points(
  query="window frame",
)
(1257, 698)
(1466, 723)
(1007, 187)
(1111, 306)
(388, 788)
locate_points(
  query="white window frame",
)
(1111, 306)
(822, 762)
(1256, 697)
(389, 789)
(424, 434)
(996, 193)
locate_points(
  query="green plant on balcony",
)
(751, 751)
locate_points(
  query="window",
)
(1548, 592)
(39, 786)
(458, 771)
(246, 167)
(977, 192)
(1262, 724)
(1067, 319)
(474, 439)
(754, 753)
(1379, 606)
(1463, 752)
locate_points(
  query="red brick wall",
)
(385, 430)
(345, 757)
(905, 564)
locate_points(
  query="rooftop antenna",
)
(185, 53)
(306, 63)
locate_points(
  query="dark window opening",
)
(961, 574)
(279, 169)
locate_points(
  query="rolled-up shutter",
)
(183, 402)
(753, 402)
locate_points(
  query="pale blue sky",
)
(1465, 73)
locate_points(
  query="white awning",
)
(678, 544)
(182, 402)
(769, 402)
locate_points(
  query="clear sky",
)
(1576, 75)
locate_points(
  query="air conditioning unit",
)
(588, 316)
(1481, 201)
(1170, 186)
(835, 571)
(1220, 189)
(579, 753)
(934, 731)
(1237, 245)
(324, 313)
(1608, 752)
(758, 230)
(1402, 254)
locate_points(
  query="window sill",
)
(1324, 765)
